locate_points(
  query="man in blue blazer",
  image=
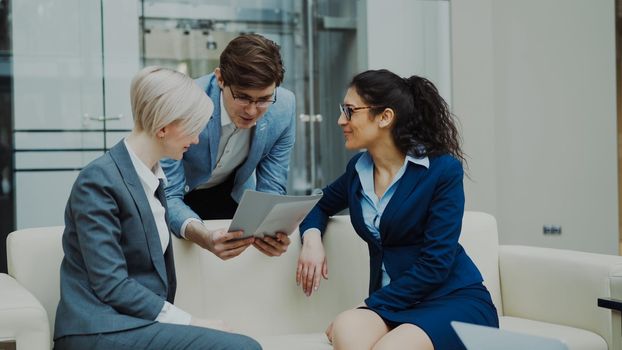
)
(246, 145)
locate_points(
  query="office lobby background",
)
(532, 82)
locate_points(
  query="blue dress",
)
(419, 273)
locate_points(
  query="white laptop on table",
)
(475, 337)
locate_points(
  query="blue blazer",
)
(265, 168)
(114, 275)
(419, 232)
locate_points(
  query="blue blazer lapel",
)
(120, 156)
(213, 126)
(413, 174)
(213, 132)
(356, 211)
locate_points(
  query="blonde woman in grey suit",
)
(118, 275)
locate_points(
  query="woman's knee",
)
(358, 326)
(405, 336)
(346, 321)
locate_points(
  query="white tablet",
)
(264, 214)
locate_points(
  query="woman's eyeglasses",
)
(244, 101)
(348, 110)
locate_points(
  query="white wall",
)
(473, 96)
(411, 37)
(58, 86)
(534, 86)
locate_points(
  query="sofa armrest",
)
(614, 304)
(22, 317)
(561, 286)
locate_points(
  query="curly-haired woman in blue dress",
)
(406, 201)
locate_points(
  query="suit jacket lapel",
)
(413, 174)
(213, 126)
(213, 131)
(356, 210)
(124, 163)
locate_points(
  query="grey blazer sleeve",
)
(95, 210)
(178, 211)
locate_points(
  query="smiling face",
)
(362, 129)
(235, 98)
(176, 141)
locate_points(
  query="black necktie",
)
(168, 254)
(159, 193)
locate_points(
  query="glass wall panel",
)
(57, 101)
(66, 67)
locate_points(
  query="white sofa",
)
(536, 290)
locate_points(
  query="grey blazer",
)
(114, 275)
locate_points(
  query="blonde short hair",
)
(161, 96)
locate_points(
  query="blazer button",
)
(187, 188)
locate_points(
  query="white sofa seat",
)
(574, 338)
(538, 291)
(262, 298)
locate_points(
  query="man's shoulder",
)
(204, 81)
(285, 94)
(285, 106)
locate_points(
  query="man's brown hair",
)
(251, 61)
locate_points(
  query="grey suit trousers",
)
(159, 336)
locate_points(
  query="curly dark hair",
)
(424, 125)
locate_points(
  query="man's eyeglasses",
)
(348, 110)
(244, 101)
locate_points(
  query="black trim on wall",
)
(70, 130)
(7, 200)
(38, 170)
(60, 150)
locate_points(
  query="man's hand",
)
(272, 246)
(219, 325)
(223, 244)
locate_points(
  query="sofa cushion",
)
(34, 256)
(22, 316)
(574, 338)
(257, 295)
(481, 242)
